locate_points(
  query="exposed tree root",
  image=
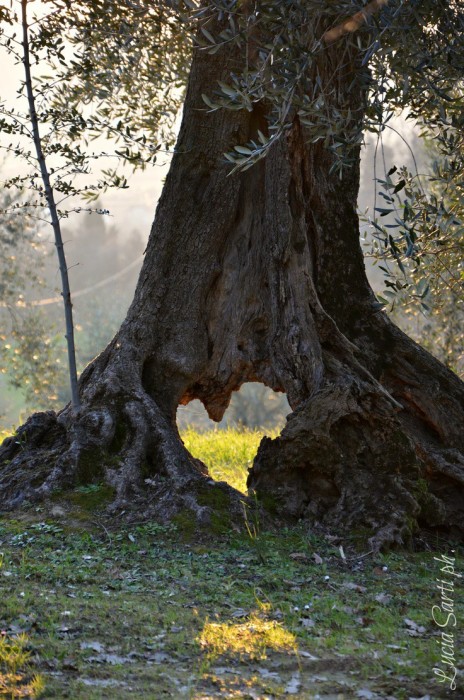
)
(346, 461)
(133, 449)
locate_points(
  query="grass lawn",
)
(92, 609)
(228, 453)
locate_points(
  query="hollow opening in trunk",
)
(229, 447)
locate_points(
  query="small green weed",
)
(16, 680)
(253, 528)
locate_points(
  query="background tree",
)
(32, 348)
(254, 406)
(27, 342)
(258, 276)
(420, 251)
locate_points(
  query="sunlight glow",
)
(251, 639)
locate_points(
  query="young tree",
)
(258, 275)
(29, 126)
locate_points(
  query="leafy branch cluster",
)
(118, 69)
(420, 69)
(288, 68)
(425, 239)
(18, 269)
(125, 76)
(418, 241)
(408, 54)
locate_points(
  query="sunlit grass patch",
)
(15, 679)
(227, 453)
(251, 639)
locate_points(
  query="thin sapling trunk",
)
(55, 221)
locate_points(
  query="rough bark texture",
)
(260, 277)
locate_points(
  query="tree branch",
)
(352, 24)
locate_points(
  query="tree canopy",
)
(128, 65)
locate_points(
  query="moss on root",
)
(269, 503)
(92, 497)
(218, 501)
(214, 497)
(90, 467)
(186, 524)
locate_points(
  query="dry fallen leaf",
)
(383, 598)
(414, 630)
(366, 694)
(307, 622)
(220, 670)
(364, 621)
(112, 659)
(299, 556)
(93, 646)
(270, 675)
(307, 655)
(354, 587)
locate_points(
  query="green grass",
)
(136, 612)
(16, 679)
(228, 453)
(91, 608)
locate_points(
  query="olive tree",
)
(254, 271)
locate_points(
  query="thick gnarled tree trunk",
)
(259, 276)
